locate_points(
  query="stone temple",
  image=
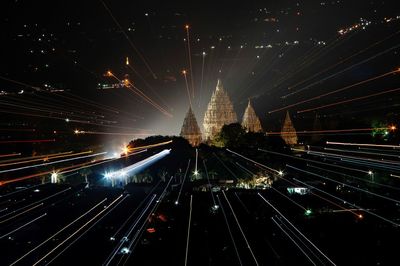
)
(190, 129)
(288, 132)
(219, 112)
(250, 121)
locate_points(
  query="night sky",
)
(277, 53)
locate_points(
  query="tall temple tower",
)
(190, 129)
(250, 120)
(219, 112)
(288, 132)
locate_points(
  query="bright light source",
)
(54, 177)
(176, 202)
(125, 250)
(204, 53)
(280, 173)
(186, 26)
(125, 150)
(308, 212)
(196, 172)
(112, 238)
(360, 216)
(370, 172)
(66, 119)
(184, 72)
(36, 190)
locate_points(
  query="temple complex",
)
(190, 129)
(288, 132)
(219, 112)
(250, 120)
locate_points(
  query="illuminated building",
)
(190, 129)
(219, 112)
(250, 121)
(288, 132)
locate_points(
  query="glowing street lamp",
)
(54, 177)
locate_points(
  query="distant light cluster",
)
(363, 24)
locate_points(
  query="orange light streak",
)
(335, 91)
(347, 101)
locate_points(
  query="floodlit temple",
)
(219, 112)
(190, 129)
(250, 121)
(288, 132)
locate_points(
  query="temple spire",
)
(250, 120)
(219, 112)
(190, 129)
(288, 132)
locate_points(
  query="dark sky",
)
(258, 48)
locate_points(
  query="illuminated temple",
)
(250, 120)
(219, 112)
(190, 129)
(288, 132)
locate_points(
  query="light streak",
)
(363, 152)
(347, 101)
(22, 226)
(257, 163)
(209, 185)
(19, 214)
(50, 163)
(325, 199)
(344, 184)
(149, 86)
(41, 158)
(149, 146)
(357, 178)
(363, 144)
(122, 241)
(140, 94)
(27, 141)
(240, 228)
(344, 60)
(188, 230)
(226, 167)
(229, 230)
(297, 230)
(136, 209)
(342, 157)
(202, 76)
(344, 70)
(140, 231)
(190, 59)
(351, 204)
(39, 202)
(313, 161)
(187, 87)
(183, 182)
(90, 227)
(79, 229)
(335, 91)
(280, 193)
(58, 232)
(129, 40)
(136, 166)
(9, 155)
(115, 133)
(149, 100)
(294, 242)
(323, 131)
